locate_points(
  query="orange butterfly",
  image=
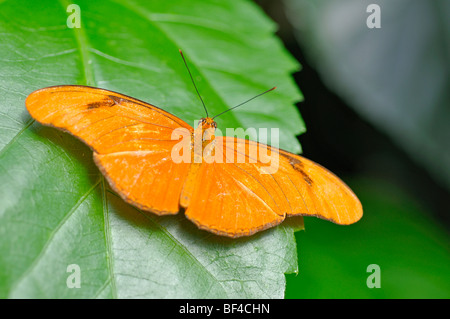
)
(133, 147)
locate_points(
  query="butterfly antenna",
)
(246, 101)
(195, 86)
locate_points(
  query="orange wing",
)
(131, 141)
(236, 198)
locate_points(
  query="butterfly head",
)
(207, 123)
(206, 128)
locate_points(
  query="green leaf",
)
(396, 233)
(55, 208)
(397, 77)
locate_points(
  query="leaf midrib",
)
(89, 79)
(108, 239)
(41, 254)
(84, 49)
(140, 12)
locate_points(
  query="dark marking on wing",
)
(298, 166)
(307, 179)
(295, 163)
(106, 102)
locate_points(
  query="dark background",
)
(405, 227)
(339, 139)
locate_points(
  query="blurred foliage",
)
(397, 77)
(395, 233)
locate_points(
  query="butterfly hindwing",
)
(254, 187)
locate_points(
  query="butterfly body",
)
(226, 185)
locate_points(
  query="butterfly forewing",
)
(131, 140)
